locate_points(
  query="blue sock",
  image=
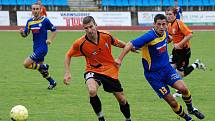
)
(187, 117)
(51, 81)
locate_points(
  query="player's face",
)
(170, 16)
(160, 26)
(35, 10)
(90, 29)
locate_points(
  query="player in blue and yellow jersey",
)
(179, 14)
(157, 69)
(39, 25)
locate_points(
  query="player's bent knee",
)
(184, 90)
(92, 92)
(26, 65)
(121, 100)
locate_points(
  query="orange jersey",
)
(98, 57)
(178, 30)
(43, 11)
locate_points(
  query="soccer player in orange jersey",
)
(95, 46)
(43, 9)
(180, 35)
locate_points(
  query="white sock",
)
(194, 65)
(99, 115)
(128, 119)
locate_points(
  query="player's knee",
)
(26, 65)
(183, 90)
(92, 92)
(122, 101)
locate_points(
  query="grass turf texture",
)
(71, 103)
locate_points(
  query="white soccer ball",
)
(19, 113)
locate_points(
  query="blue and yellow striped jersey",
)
(154, 50)
(39, 29)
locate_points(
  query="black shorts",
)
(109, 84)
(181, 57)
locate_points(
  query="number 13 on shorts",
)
(163, 90)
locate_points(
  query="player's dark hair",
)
(88, 19)
(159, 17)
(173, 9)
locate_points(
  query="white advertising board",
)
(75, 18)
(147, 18)
(4, 18)
(191, 18)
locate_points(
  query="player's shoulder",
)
(103, 32)
(30, 19)
(180, 22)
(44, 18)
(150, 33)
(80, 40)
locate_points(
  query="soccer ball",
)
(19, 113)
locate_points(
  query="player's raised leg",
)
(29, 63)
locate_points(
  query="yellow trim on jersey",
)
(157, 40)
(145, 49)
(146, 55)
(34, 22)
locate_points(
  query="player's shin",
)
(97, 106)
(188, 70)
(188, 100)
(47, 76)
(37, 66)
(180, 112)
(125, 109)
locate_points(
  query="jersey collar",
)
(98, 33)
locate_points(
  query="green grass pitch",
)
(70, 103)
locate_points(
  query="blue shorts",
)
(159, 80)
(38, 55)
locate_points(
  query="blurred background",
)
(67, 13)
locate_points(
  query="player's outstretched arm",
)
(125, 51)
(67, 74)
(122, 44)
(51, 38)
